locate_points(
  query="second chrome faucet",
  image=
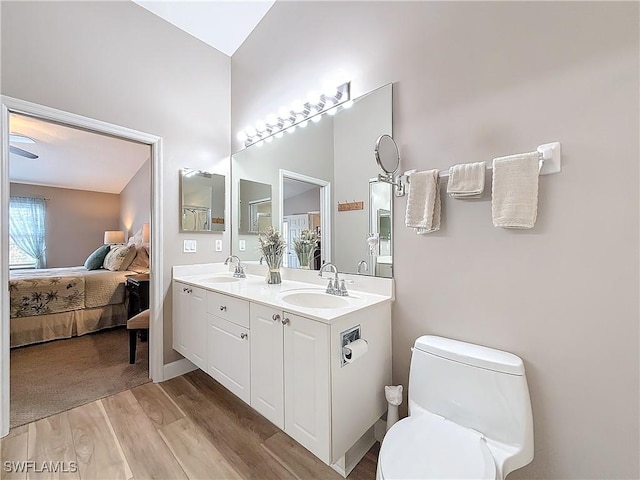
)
(335, 286)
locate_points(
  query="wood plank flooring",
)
(189, 427)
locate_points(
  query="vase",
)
(273, 276)
(273, 273)
(304, 255)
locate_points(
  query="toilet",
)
(469, 415)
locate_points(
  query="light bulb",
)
(329, 90)
(313, 97)
(251, 131)
(268, 139)
(291, 129)
(283, 112)
(260, 126)
(304, 124)
(316, 119)
(347, 104)
(272, 119)
(279, 135)
(297, 106)
(242, 136)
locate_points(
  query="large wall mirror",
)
(201, 201)
(313, 171)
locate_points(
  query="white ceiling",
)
(73, 158)
(293, 188)
(222, 24)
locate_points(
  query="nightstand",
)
(138, 292)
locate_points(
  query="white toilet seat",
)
(426, 446)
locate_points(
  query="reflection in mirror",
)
(336, 152)
(254, 207)
(202, 201)
(380, 222)
(301, 212)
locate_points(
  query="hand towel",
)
(423, 202)
(514, 202)
(466, 180)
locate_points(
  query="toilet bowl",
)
(469, 415)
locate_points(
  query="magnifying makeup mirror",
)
(387, 154)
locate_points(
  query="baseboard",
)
(358, 450)
(177, 368)
(380, 428)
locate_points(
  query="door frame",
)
(14, 105)
(325, 208)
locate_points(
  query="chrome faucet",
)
(239, 270)
(335, 287)
(362, 263)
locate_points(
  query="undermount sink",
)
(314, 299)
(220, 279)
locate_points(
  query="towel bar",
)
(550, 162)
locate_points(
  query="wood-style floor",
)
(188, 427)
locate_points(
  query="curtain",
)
(27, 217)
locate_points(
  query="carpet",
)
(53, 377)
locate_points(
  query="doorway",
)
(305, 204)
(17, 106)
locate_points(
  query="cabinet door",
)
(181, 300)
(228, 347)
(307, 384)
(267, 388)
(197, 328)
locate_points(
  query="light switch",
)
(242, 245)
(218, 245)
(189, 246)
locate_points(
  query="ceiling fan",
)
(17, 138)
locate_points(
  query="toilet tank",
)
(477, 387)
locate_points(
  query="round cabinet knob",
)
(185, 289)
(285, 321)
(189, 291)
(243, 335)
(223, 308)
(276, 317)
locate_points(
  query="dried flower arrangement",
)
(305, 247)
(272, 246)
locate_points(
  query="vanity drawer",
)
(230, 308)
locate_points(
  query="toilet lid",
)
(426, 446)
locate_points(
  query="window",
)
(19, 258)
(27, 232)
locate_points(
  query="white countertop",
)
(255, 289)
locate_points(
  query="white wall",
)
(117, 62)
(475, 80)
(135, 201)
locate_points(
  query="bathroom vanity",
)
(279, 348)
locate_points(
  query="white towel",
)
(514, 202)
(466, 180)
(423, 202)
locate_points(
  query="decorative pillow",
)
(136, 239)
(96, 259)
(119, 257)
(140, 264)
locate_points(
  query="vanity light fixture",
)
(299, 114)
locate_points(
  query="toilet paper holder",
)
(346, 337)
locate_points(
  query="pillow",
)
(119, 257)
(140, 264)
(136, 239)
(96, 259)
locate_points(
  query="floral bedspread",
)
(43, 295)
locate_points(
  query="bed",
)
(56, 303)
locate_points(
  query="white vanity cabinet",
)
(290, 376)
(190, 323)
(228, 343)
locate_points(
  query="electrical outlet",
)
(189, 246)
(218, 245)
(242, 245)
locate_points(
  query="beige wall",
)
(76, 221)
(135, 201)
(117, 62)
(475, 80)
